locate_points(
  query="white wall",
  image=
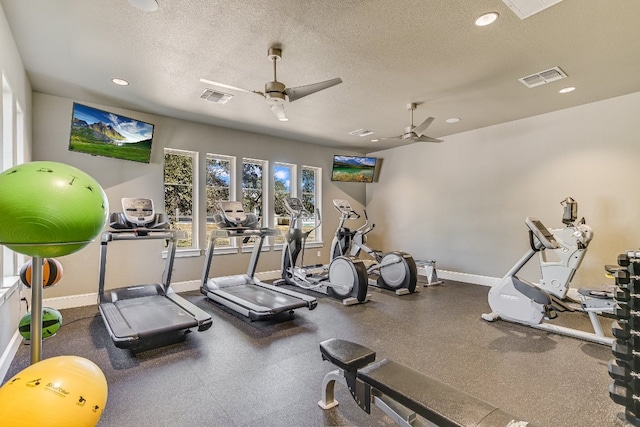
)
(120, 178)
(463, 202)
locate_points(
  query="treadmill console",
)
(138, 211)
(138, 214)
(541, 233)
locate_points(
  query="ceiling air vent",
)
(361, 132)
(543, 77)
(215, 96)
(526, 8)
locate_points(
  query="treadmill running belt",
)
(154, 314)
(261, 299)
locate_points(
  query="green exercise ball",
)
(51, 322)
(50, 209)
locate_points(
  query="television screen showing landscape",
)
(353, 168)
(101, 133)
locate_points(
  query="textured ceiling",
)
(387, 52)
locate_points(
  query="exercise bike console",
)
(542, 235)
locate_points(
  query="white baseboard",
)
(468, 278)
(9, 353)
(269, 275)
(71, 301)
(82, 300)
(190, 285)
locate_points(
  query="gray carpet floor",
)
(242, 373)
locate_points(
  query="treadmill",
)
(244, 293)
(148, 313)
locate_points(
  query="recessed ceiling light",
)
(567, 89)
(486, 19)
(375, 140)
(145, 5)
(283, 119)
(453, 120)
(120, 82)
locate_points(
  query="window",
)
(11, 154)
(284, 178)
(311, 179)
(220, 173)
(253, 188)
(180, 196)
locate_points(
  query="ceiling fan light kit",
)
(276, 94)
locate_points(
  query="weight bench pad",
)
(433, 400)
(346, 355)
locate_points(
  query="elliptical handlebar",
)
(296, 209)
(364, 226)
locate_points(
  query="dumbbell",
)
(620, 393)
(624, 351)
(620, 371)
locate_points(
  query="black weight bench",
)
(403, 393)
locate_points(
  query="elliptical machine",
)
(345, 278)
(558, 266)
(396, 271)
(520, 301)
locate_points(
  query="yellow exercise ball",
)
(67, 391)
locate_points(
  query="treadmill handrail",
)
(243, 232)
(108, 236)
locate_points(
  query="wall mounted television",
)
(101, 133)
(353, 168)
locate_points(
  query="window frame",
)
(12, 153)
(278, 241)
(232, 246)
(317, 197)
(194, 248)
(264, 222)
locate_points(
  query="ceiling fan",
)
(414, 133)
(276, 93)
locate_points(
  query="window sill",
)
(310, 245)
(9, 286)
(184, 253)
(249, 248)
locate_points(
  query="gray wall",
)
(132, 263)
(463, 202)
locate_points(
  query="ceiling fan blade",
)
(399, 137)
(226, 86)
(424, 138)
(278, 110)
(298, 92)
(419, 130)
